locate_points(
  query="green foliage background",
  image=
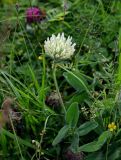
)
(90, 81)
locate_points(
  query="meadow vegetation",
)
(60, 80)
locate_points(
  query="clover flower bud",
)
(34, 14)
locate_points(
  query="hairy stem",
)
(57, 88)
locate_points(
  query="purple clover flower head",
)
(33, 14)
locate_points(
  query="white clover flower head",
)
(58, 47)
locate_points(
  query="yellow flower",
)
(40, 57)
(112, 126)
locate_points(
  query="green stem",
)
(43, 81)
(57, 88)
(42, 135)
(16, 137)
(106, 158)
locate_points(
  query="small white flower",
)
(58, 47)
(33, 141)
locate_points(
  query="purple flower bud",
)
(34, 14)
(74, 156)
